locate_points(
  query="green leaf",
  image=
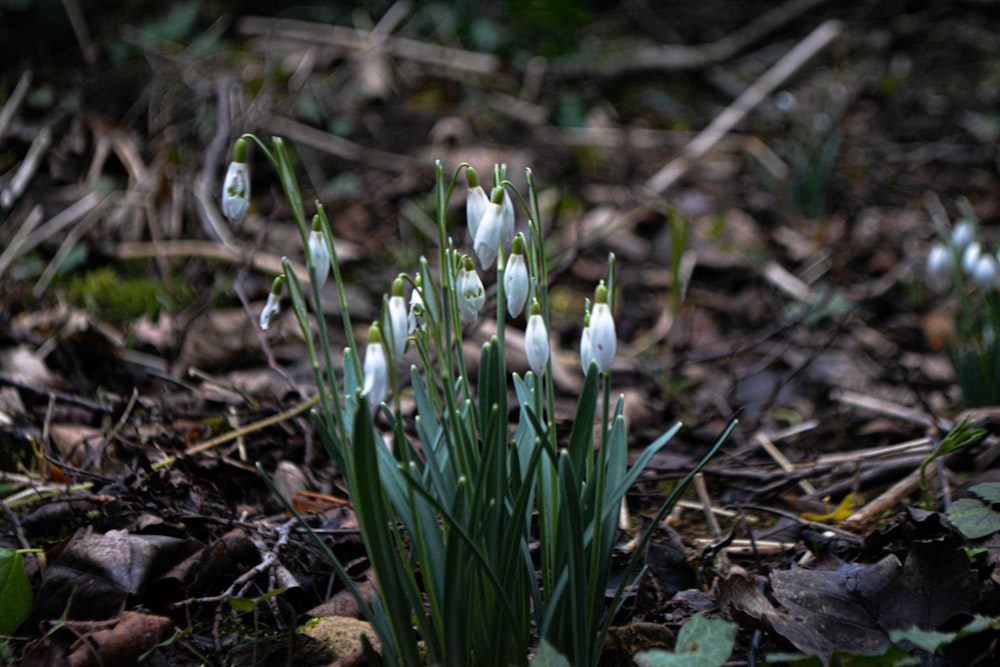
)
(927, 640)
(547, 656)
(973, 518)
(988, 491)
(15, 591)
(702, 642)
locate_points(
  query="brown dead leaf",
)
(118, 641)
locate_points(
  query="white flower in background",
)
(963, 234)
(488, 235)
(476, 202)
(940, 261)
(319, 253)
(586, 347)
(970, 257)
(417, 319)
(536, 341)
(236, 186)
(471, 293)
(397, 325)
(273, 305)
(376, 370)
(984, 273)
(603, 340)
(515, 278)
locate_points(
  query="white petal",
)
(376, 375)
(471, 294)
(271, 309)
(586, 350)
(515, 284)
(320, 256)
(536, 344)
(603, 340)
(417, 317)
(236, 192)
(476, 203)
(488, 236)
(397, 325)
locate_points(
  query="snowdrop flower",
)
(940, 261)
(376, 372)
(397, 324)
(417, 318)
(536, 341)
(963, 234)
(507, 217)
(319, 253)
(273, 307)
(471, 293)
(984, 273)
(586, 347)
(603, 340)
(971, 257)
(476, 202)
(487, 240)
(236, 186)
(515, 278)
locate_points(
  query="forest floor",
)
(770, 180)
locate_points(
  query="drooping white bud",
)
(319, 253)
(471, 293)
(970, 257)
(236, 186)
(487, 240)
(375, 368)
(603, 340)
(273, 305)
(515, 278)
(417, 319)
(476, 203)
(506, 219)
(984, 273)
(536, 341)
(397, 324)
(586, 347)
(940, 261)
(963, 234)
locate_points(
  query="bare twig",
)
(887, 408)
(28, 167)
(13, 103)
(266, 263)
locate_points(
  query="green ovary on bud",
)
(236, 186)
(536, 341)
(515, 278)
(397, 324)
(375, 367)
(273, 306)
(603, 339)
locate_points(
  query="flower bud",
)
(487, 240)
(603, 340)
(506, 217)
(397, 324)
(471, 293)
(536, 341)
(273, 307)
(984, 273)
(586, 346)
(970, 257)
(515, 278)
(940, 261)
(376, 372)
(476, 202)
(417, 318)
(319, 253)
(963, 234)
(236, 186)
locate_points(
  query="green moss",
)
(121, 299)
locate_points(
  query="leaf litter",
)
(815, 328)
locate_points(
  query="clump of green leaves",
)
(448, 512)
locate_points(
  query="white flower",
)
(536, 341)
(940, 261)
(471, 293)
(487, 240)
(507, 219)
(320, 254)
(603, 340)
(476, 203)
(586, 347)
(236, 186)
(397, 324)
(963, 234)
(984, 273)
(970, 257)
(376, 372)
(417, 318)
(273, 305)
(515, 278)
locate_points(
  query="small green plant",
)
(15, 591)
(960, 261)
(448, 511)
(961, 436)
